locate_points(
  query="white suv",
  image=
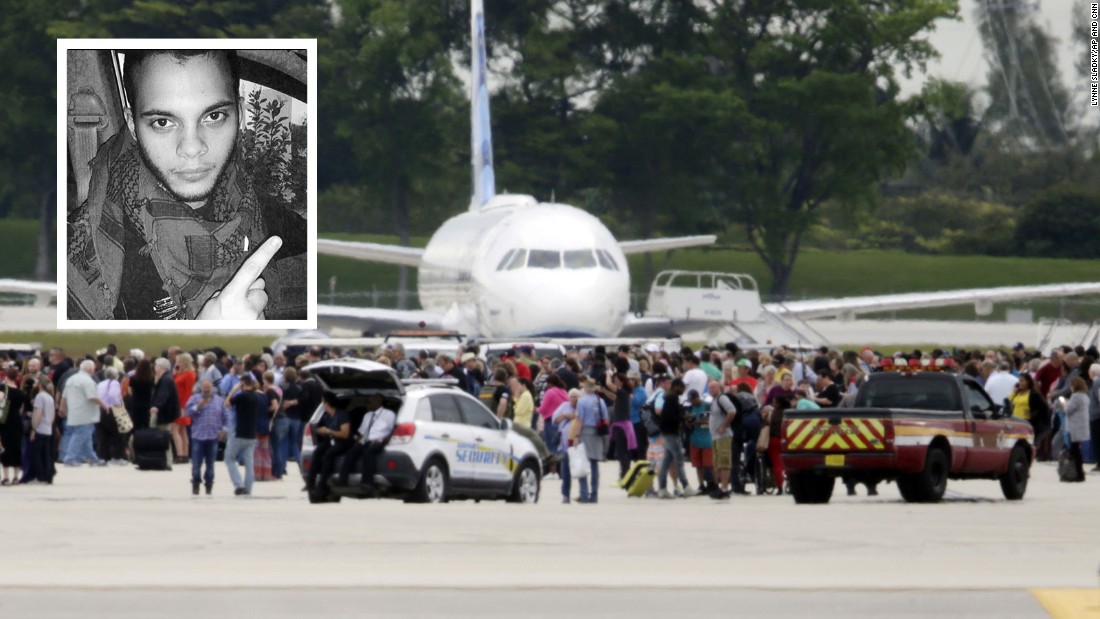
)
(446, 444)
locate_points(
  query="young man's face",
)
(186, 117)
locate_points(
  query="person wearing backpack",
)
(649, 414)
(725, 416)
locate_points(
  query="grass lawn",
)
(817, 274)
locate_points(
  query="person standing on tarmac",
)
(725, 415)
(249, 407)
(208, 417)
(670, 416)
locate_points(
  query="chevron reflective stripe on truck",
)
(849, 434)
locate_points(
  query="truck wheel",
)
(931, 483)
(1014, 481)
(809, 488)
(908, 489)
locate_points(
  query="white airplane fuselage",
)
(517, 268)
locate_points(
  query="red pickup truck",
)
(918, 428)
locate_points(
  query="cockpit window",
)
(579, 259)
(544, 259)
(505, 259)
(519, 257)
(606, 261)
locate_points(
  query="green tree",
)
(389, 73)
(28, 164)
(545, 71)
(952, 123)
(1028, 102)
(1064, 222)
(822, 119)
(198, 18)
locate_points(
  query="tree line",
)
(776, 124)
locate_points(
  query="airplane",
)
(509, 266)
(514, 267)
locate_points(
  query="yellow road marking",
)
(1069, 603)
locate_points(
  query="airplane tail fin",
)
(481, 137)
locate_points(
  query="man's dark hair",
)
(134, 58)
(331, 399)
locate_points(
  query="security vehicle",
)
(445, 445)
(917, 424)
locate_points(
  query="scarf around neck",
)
(194, 257)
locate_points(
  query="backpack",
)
(738, 409)
(485, 394)
(649, 417)
(486, 398)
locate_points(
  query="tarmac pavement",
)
(119, 531)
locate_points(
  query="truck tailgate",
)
(838, 430)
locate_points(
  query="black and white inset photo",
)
(188, 182)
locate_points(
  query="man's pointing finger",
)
(252, 268)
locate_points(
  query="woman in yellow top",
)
(525, 402)
(1029, 405)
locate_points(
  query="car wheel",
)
(433, 483)
(930, 484)
(525, 488)
(1014, 481)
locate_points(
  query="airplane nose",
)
(572, 306)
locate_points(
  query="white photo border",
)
(63, 321)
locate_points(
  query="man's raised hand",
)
(243, 298)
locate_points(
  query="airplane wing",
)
(43, 292)
(662, 326)
(648, 245)
(982, 298)
(371, 252)
(375, 320)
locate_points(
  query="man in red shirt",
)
(744, 375)
(1050, 372)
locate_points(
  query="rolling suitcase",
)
(151, 449)
(638, 478)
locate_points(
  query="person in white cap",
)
(475, 380)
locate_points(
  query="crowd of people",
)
(636, 403)
(74, 412)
